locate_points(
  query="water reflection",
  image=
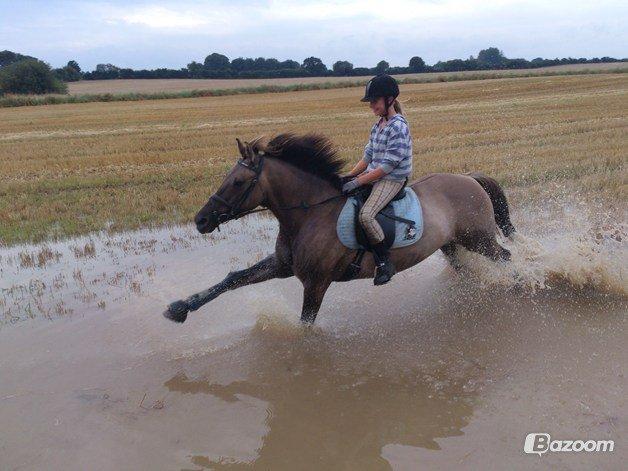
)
(332, 403)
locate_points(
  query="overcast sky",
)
(151, 34)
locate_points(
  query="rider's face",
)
(378, 106)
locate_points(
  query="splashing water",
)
(579, 253)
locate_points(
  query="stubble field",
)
(78, 168)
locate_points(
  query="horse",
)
(298, 178)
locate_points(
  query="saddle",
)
(401, 220)
(386, 217)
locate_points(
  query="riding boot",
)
(384, 269)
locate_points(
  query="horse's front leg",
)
(313, 294)
(266, 269)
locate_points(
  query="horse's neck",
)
(289, 187)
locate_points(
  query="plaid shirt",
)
(390, 149)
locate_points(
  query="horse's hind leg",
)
(485, 244)
(450, 252)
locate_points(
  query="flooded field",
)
(435, 370)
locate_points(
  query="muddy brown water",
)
(436, 370)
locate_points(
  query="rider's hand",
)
(350, 186)
(346, 178)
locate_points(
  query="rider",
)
(387, 163)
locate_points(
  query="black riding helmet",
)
(382, 85)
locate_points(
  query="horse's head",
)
(239, 192)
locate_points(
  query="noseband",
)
(234, 208)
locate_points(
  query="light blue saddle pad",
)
(408, 207)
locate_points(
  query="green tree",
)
(106, 68)
(314, 66)
(9, 57)
(216, 62)
(382, 67)
(30, 76)
(342, 68)
(491, 58)
(272, 64)
(106, 72)
(290, 64)
(195, 69)
(452, 65)
(74, 65)
(417, 64)
(240, 64)
(69, 73)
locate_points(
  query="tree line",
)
(218, 65)
(25, 74)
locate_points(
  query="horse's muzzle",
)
(205, 224)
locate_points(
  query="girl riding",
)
(387, 164)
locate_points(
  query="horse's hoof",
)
(177, 311)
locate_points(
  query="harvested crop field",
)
(73, 169)
(178, 85)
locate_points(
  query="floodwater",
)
(436, 370)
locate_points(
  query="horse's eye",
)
(237, 182)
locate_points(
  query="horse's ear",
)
(242, 148)
(250, 153)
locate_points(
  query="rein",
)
(234, 209)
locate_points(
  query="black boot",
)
(384, 269)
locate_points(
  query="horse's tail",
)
(500, 203)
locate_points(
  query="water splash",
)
(577, 252)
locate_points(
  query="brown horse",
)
(297, 179)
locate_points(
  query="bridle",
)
(234, 208)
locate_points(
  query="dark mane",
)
(311, 153)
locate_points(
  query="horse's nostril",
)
(200, 222)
